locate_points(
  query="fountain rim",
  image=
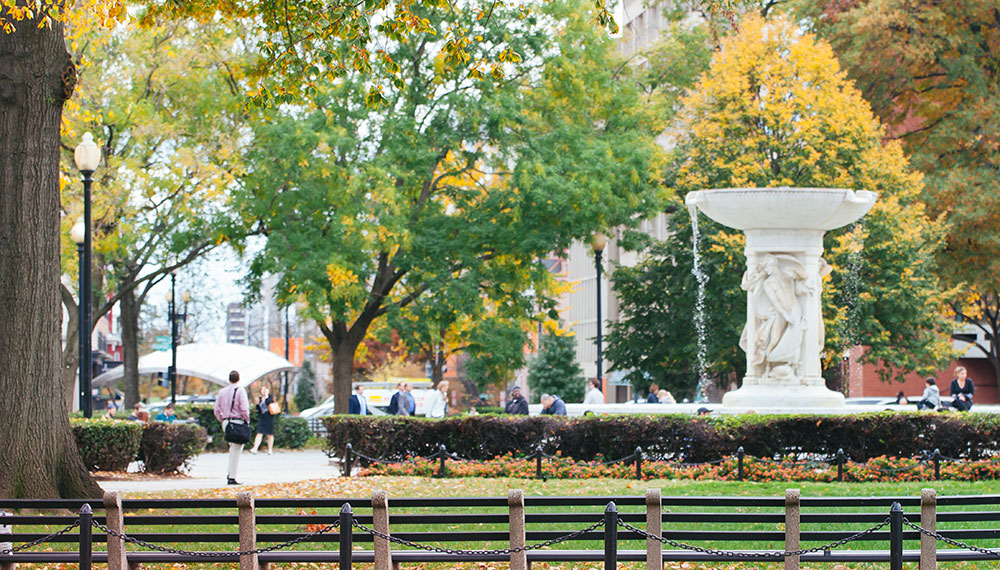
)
(834, 207)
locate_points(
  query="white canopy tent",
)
(208, 361)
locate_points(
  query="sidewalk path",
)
(208, 471)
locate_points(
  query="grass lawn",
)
(362, 487)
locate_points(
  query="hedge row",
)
(861, 436)
(112, 445)
(290, 432)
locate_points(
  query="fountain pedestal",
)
(783, 336)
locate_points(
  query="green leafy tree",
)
(496, 351)
(167, 110)
(555, 371)
(459, 178)
(305, 387)
(930, 71)
(775, 110)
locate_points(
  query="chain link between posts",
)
(950, 541)
(38, 541)
(496, 552)
(219, 554)
(742, 554)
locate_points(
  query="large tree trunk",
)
(39, 455)
(129, 322)
(343, 373)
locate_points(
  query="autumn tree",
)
(931, 71)
(168, 108)
(367, 204)
(774, 109)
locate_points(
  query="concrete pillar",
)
(116, 547)
(515, 502)
(792, 527)
(4, 544)
(248, 530)
(928, 520)
(380, 521)
(654, 526)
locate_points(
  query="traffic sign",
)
(161, 342)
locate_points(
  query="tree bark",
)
(40, 458)
(129, 322)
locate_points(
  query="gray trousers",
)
(235, 450)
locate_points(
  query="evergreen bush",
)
(106, 445)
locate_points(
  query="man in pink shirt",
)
(233, 405)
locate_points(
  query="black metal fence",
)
(600, 521)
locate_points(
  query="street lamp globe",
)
(87, 155)
(600, 240)
(79, 232)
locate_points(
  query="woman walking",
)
(265, 421)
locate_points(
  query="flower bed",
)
(879, 469)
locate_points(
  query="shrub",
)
(291, 432)
(106, 445)
(861, 436)
(474, 437)
(167, 448)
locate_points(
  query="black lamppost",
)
(600, 240)
(87, 156)
(174, 316)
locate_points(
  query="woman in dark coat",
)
(265, 421)
(962, 390)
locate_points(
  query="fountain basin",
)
(783, 336)
(783, 208)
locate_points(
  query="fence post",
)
(116, 546)
(739, 462)
(346, 536)
(515, 502)
(538, 461)
(611, 537)
(654, 526)
(5, 545)
(840, 465)
(380, 521)
(638, 462)
(248, 530)
(937, 464)
(86, 542)
(348, 459)
(793, 527)
(895, 537)
(928, 520)
(443, 454)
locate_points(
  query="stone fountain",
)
(783, 335)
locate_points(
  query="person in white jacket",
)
(594, 394)
(439, 401)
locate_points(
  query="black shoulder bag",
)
(236, 432)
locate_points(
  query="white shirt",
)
(362, 404)
(437, 407)
(594, 396)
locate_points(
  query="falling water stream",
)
(704, 382)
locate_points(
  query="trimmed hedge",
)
(165, 448)
(861, 436)
(290, 432)
(106, 445)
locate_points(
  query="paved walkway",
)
(208, 471)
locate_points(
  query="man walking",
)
(358, 403)
(233, 406)
(405, 404)
(394, 401)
